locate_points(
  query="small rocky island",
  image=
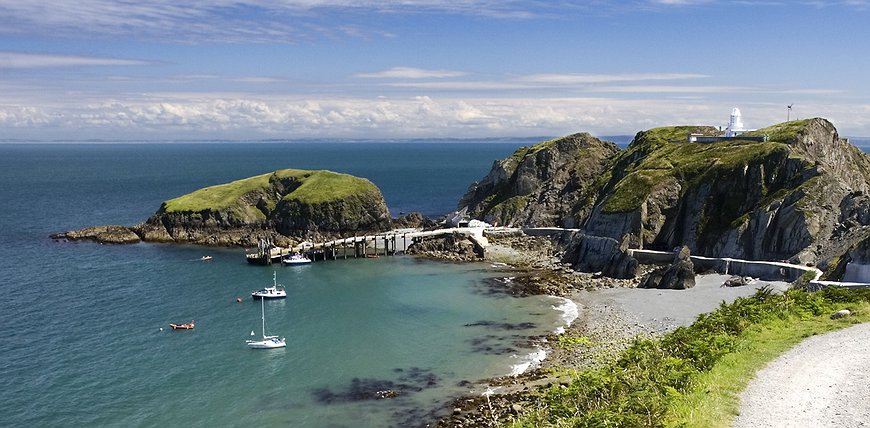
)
(283, 206)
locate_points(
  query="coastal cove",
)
(393, 339)
(82, 324)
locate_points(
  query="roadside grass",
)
(714, 399)
(693, 376)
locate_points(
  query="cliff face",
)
(284, 206)
(540, 185)
(794, 196)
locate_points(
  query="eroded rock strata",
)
(794, 191)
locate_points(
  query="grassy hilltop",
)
(794, 195)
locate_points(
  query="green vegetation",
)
(692, 376)
(313, 187)
(786, 132)
(326, 186)
(217, 197)
(666, 134)
(652, 159)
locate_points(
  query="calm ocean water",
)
(80, 323)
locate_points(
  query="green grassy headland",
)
(662, 153)
(314, 187)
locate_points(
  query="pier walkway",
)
(386, 243)
(397, 242)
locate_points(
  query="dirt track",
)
(822, 382)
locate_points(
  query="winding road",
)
(824, 381)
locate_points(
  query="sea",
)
(380, 342)
(84, 328)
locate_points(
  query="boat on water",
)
(267, 342)
(188, 326)
(296, 259)
(276, 291)
(204, 258)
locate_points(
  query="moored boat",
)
(296, 259)
(276, 291)
(267, 342)
(188, 326)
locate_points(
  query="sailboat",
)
(268, 342)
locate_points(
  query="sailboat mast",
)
(263, 314)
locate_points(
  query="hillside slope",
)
(799, 195)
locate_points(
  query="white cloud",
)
(411, 73)
(32, 60)
(575, 79)
(229, 116)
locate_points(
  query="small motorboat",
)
(188, 326)
(296, 259)
(276, 291)
(204, 258)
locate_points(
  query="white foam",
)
(569, 311)
(532, 360)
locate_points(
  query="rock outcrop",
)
(283, 206)
(790, 191)
(540, 185)
(113, 234)
(455, 247)
(598, 254)
(679, 275)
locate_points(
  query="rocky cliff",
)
(795, 195)
(541, 185)
(284, 206)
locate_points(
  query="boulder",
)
(738, 281)
(588, 253)
(680, 275)
(843, 313)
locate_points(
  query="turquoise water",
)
(81, 322)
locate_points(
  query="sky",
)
(285, 69)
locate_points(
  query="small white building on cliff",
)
(734, 130)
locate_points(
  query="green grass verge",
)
(714, 399)
(665, 382)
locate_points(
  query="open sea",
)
(84, 327)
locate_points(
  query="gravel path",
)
(824, 381)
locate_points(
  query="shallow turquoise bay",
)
(81, 322)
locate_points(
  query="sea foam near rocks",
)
(533, 359)
(569, 311)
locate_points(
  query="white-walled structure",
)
(735, 124)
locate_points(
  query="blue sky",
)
(253, 69)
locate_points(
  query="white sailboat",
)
(268, 342)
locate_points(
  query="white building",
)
(735, 124)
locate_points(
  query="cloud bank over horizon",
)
(253, 69)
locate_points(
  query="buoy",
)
(239, 299)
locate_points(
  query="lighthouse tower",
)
(735, 124)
